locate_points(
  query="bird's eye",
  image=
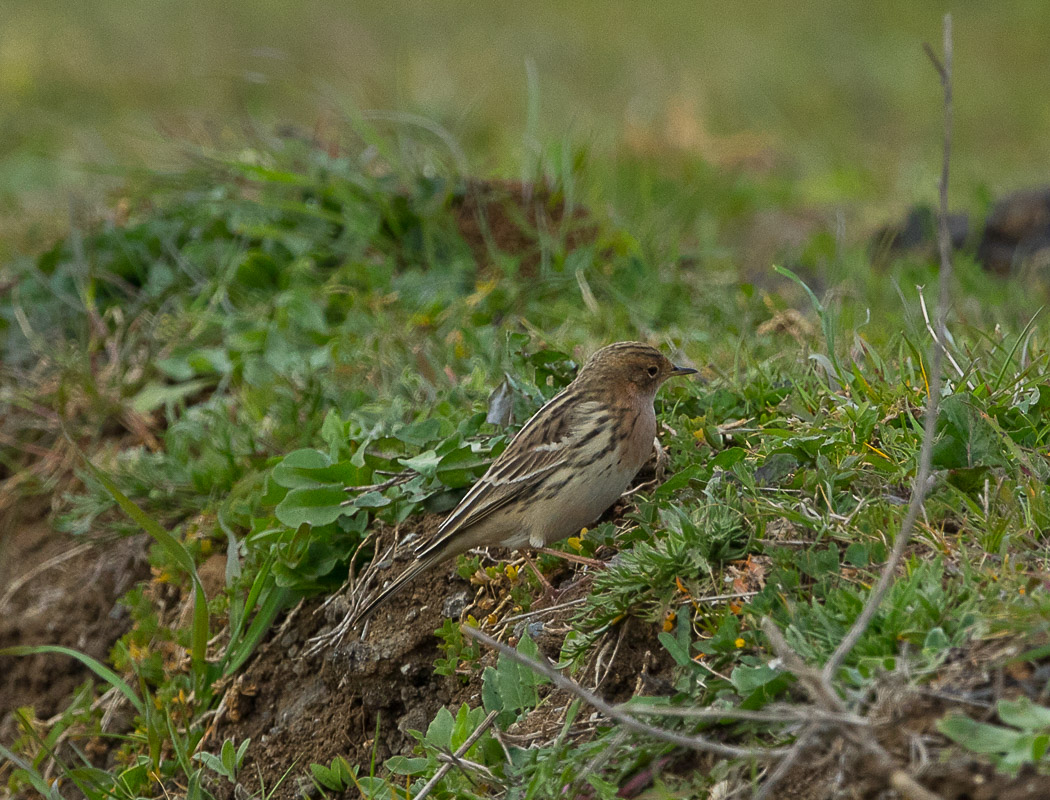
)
(653, 371)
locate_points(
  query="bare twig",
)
(782, 714)
(922, 476)
(803, 743)
(824, 697)
(540, 612)
(12, 590)
(819, 685)
(616, 714)
(460, 752)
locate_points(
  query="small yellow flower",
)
(481, 291)
(739, 643)
(511, 572)
(162, 575)
(491, 619)
(583, 532)
(669, 621)
(1021, 590)
(575, 543)
(137, 652)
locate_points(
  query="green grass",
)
(835, 105)
(287, 324)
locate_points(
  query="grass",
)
(269, 327)
(836, 106)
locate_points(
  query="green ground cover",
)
(266, 324)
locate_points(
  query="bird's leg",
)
(549, 591)
(576, 559)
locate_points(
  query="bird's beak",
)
(682, 370)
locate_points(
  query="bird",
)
(566, 466)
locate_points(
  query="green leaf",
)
(936, 641)
(978, 737)
(679, 653)
(420, 434)
(457, 469)
(681, 479)
(425, 463)
(746, 679)
(316, 506)
(326, 777)
(439, 732)
(229, 757)
(858, 554)
(512, 687)
(403, 765)
(1023, 713)
(296, 470)
(371, 500)
(490, 696)
(154, 395)
(728, 457)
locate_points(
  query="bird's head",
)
(634, 368)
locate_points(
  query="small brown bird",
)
(566, 466)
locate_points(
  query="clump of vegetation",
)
(284, 349)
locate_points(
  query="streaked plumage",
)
(565, 467)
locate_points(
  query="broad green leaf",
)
(746, 679)
(979, 737)
(155, 395)
(1023, 713)
(457, 469)
(439, 732)
(425, 463)
(403, 765)
(316, 506)
(296, 470)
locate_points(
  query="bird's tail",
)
(428, 558)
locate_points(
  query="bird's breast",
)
(603, 468)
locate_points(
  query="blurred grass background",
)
(838, 101)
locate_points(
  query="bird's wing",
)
(539, 448)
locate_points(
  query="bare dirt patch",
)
(360, 698)
(60, 590)
(520, 220)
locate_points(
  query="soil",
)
(519, 220)
(361, 697)
(60, 590)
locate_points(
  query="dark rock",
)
(1017, 232)
(917, 234)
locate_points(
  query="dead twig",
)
(616, 714)
(460, 752)
(922, 476)
(819, 684)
